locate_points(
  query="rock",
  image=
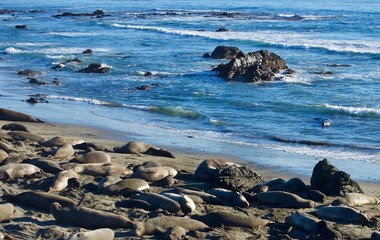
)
(206, 55)
(252, 67)
(88, 51)
(20, 26)
(144, 88)
(96, 68)
(222, 30)
(75, 60)
(37, 81)
(237, 178)
(29, 73)
(147, 74)
(223, 52)
(33, 100)
(330, 181)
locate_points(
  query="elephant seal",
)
(106, 181)
(140, 147)
(284, 199)
(54, 142)
(206, 197)
(207, 168)
(25, 136)
(15, 127)
(136, 203)
(132, 184)
(294, 185)
(316, 195)
(375, 236)
(326, 232)
(98, 234)
(48, 166)
(233, 197)
(95, 157)
(14, 171)
(6, 211)
(160, 225)
(10, 115)
(88, 218)
(342, 213)
(160, 201)
(63, 152)
(154, 174)
(303, 222)
(39, 200)
(5, 146)
(275, 184)
(356, 199)
(224, 218)
(61, 180)
(96, 169)
(187, 204)
(3, 155)
(175, 233)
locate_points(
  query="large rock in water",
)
(329, 180)
(237, 178)
(252, 67)
(96, 68)
(223, 52)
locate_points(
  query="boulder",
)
(29, 73)
(224, 52)
(20, 26)
(330, 181)
(87, 51)
(37, 81)
(252, 67)
(222, 30)
(239, 178)
(96, 68)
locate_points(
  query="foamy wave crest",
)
(176, 112)
(78, 99)
(277, 38)
(54, 51)
(361, 111)
(12, 50)
(30, 44)
(73, 34)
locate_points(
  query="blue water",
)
(168, 38)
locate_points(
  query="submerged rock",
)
(29, 73)
(96, 68)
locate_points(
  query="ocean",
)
(333, 46)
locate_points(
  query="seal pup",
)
(284, 199)
(154, 174)
(187, 204)
(6, 211)
(160, 225)
(54, 142)
(10, 115)
(94, 157)
(98, 234)
(160, 201)
(61, 180)
(233, 197)
(342, 213)
(14, 171)
(275, 184)
(15, 127)
(136, 203)
(88, 218)
(356, 199)
(129, 184)
(25, 136)
(38, 200)
(303, 222)
(63, 152)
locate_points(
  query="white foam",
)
(79, 99)
(12, 50)
(354, 110)
(31, 44)
(74, 34)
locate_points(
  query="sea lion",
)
(326, 232)
(175, 233)
(187, 204)
(233, 197)
(160, 201)
(293, 185)
(10, 115)
(3, 155)
(207, 168)
(95, 157)
(136, 203)
(140, 147)
(96, 169)
(224, 218)
(154, 174)
(375, 236)
(88, 218)
(284, 199)
(98, 234)
(356, 199)
(15, 127)
(61, 180)
(342, 213)
(13, 171)
(160, 225)
(6, 211)
(303, 222)
(63, 152)
(106, 181)
(24, 136)
(48, 166)
(39, 200)
(133, 184)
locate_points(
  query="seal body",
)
(6, 211)
(303, 222)
(356, 199)
(14, 171)
(187, 204)
(375, 236)
(160, 201)
(61, 179)
(95, 157)
(233, 197)
(206, 197)
(134, 184)
(10, 115)
(96, 169)
(64, 151)
(284, 199)
(98, 234)
(54, 142)
(45, 165)
(342, 213)
(15, 127)
(154, 174)
(133, 147)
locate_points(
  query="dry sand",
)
(28, 223)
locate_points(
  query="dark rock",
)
(144, 88)
(96, 68)
(88, 51)
(252, 67)
(58, 66)
(98, 12)
(29, 73)
(20, 26)
(37, 82)
(223, 52)
(93, 14)
(206, 55)
(34, 100)
(56, 82)
(237, 178)
(222, 30)
(75, 60)
(330, 181)
(324, 72)
(147, 74)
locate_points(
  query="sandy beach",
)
(30, 223)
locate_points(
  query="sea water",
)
(333, 47)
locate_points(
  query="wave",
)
(79, 99)
(176, 112)
(273, 38)
(12, 50)
(52, 52)
(74, 34)
(359, 111)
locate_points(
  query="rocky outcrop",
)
(252, 67)
(237, 178)
(96, 68)
(224, 52)
(29, 73)
(97, 13)
(329, 180)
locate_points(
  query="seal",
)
(14, 171)
(326, 123)
(6, 211)
(98, 234)
(38, 200)
(233, 197)
(48, 166)
(160, 225)
(160, 201)
(342, 213)
(24, 136)
(133, 184)
(136, 203)
(54, 142)
(356, 199)
(207, 168)
(5, 145)
(3, 155)
(95, 157)
(154, 174)
(96, 169)
(88, 218)
(10, 115)
(294, 185)
(206, 197)
(61, 180)
(63, 152)
(375, 236)
(224, 218)
(326, 232)
(316, 195)
(106, 181)
(14, 127)
(187, 204)
(284, 199)
(140, 147)
(303, 222)
(175, 233)
(275, 184)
